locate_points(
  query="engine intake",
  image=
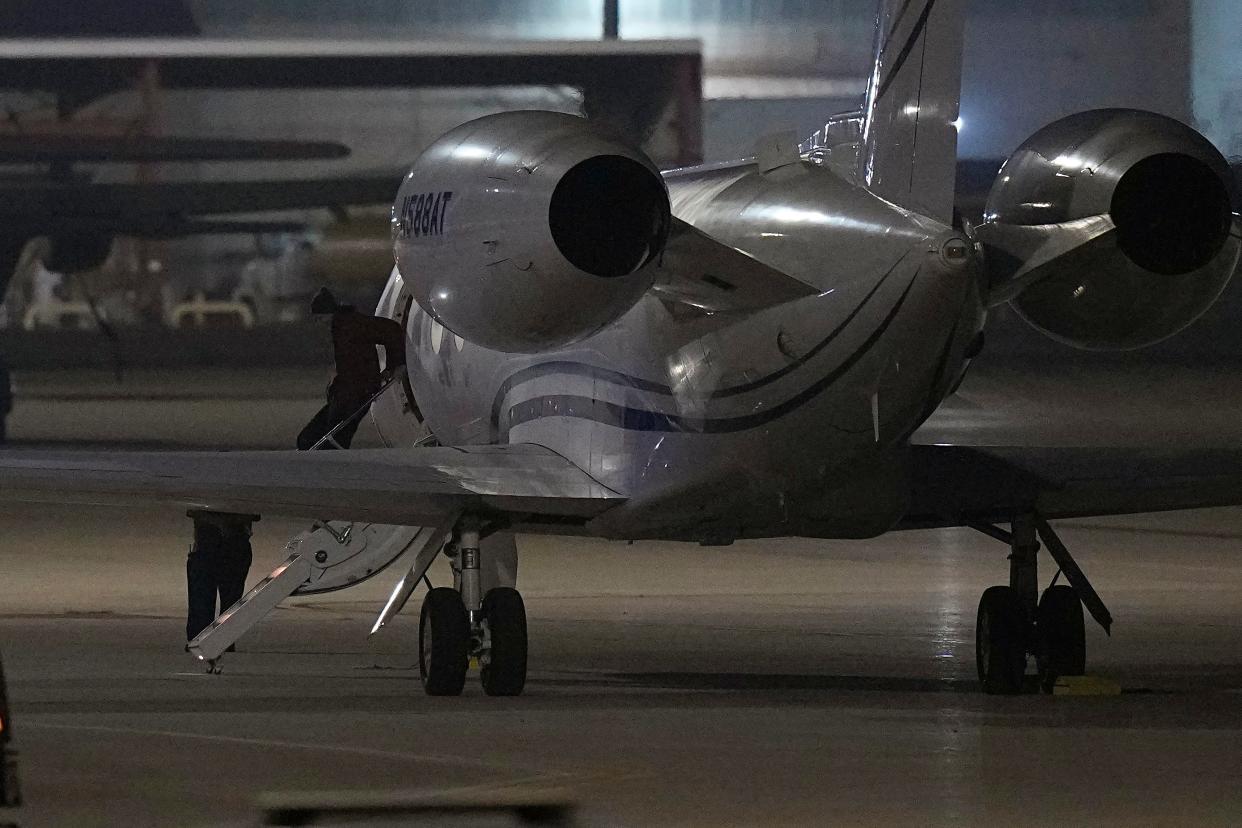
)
(527, 231)
(1110, 230)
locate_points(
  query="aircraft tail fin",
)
(909, 143)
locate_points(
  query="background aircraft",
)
(52, 195)
(62, 55)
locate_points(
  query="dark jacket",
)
(354, 339)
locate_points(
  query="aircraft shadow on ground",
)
(792, 681)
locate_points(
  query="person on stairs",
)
(355, 337)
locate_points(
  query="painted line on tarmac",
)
(406, 756)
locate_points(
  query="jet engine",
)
(527, 231)
(1111, 229)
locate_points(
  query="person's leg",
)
(201, 574)
(318, 426)
(343, 405)
(236, 567)
(345, 436)
(233, 560)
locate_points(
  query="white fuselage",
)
(788, 421)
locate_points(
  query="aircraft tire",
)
(443, 642)
(1062, 636)
(504, 674)
(1000, 642)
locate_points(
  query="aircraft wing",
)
(957, 484)
(261, 63)
(78, 148)
(414, 487)
(40, 206)
(1110, 440)
(629, 84)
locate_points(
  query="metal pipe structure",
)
(612, 19)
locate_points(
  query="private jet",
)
(745, 350)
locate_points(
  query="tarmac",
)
(787, 682)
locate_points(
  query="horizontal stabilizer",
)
(703, 273)
(1033, 248)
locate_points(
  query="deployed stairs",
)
(328, 557)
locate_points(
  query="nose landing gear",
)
(1015, 621)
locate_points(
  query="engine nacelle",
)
(527, 231)
(1110, 230)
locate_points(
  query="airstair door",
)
(329, 556)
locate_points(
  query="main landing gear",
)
(1015, 621)
(458, 625)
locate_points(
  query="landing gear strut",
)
(462, 624)
(1015, 621)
